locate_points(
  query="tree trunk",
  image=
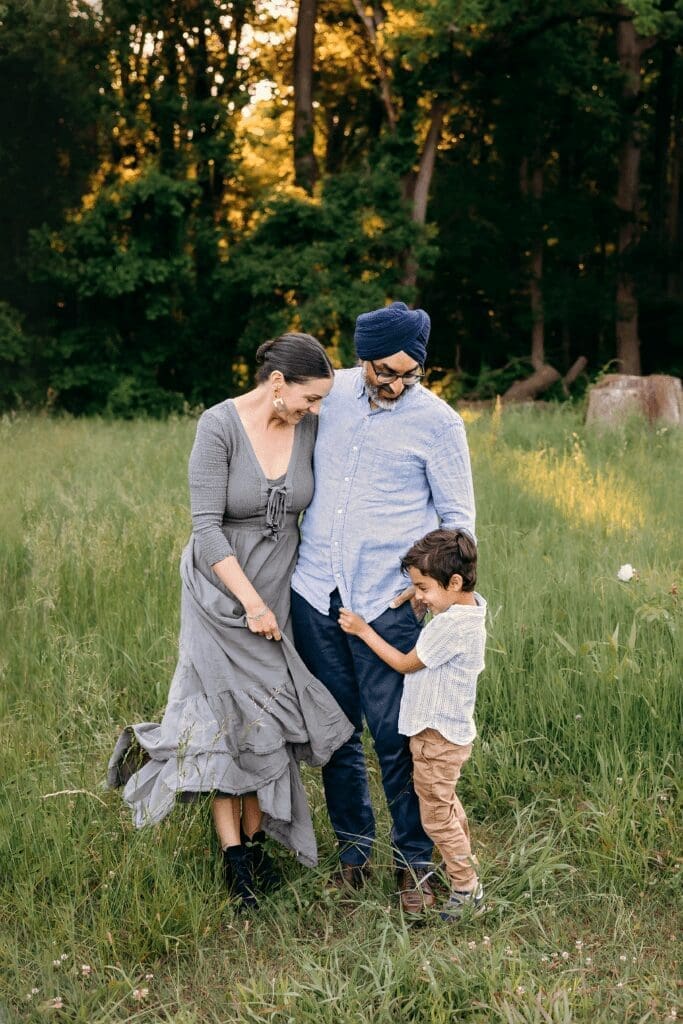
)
(674, 210)
(536, 279)
(630, 48)
(371, 23)
(423, 181)
(305, 163)
(663, 140)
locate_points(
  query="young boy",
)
(439, 694)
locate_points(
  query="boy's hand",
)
(351, 623)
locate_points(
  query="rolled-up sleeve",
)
(450, 479)
(208, 478)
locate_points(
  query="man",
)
(391, 464)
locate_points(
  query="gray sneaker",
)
(458, 903)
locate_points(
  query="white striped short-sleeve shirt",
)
(442, 695)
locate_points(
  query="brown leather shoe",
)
(415, 891)
(350, 876)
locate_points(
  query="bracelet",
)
(259, 615)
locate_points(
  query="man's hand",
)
(419, 608)
(351, 623)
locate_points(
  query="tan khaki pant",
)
(436, 769)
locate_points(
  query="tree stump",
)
(619, 396)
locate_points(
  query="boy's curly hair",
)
(442, 553)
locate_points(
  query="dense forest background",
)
(181, 180)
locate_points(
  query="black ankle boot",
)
(238, 875)
(265, 874)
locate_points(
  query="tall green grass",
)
(571, 790)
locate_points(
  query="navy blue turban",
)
(395, 328)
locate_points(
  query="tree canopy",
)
(182, 180)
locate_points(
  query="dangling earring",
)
(278, 403)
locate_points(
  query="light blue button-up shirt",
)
(383, 479)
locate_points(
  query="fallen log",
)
(573, 372)
(527, 389)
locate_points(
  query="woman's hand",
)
(351, 623)
(262, 621)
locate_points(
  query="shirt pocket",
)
(392, 472)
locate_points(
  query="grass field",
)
(571, 789)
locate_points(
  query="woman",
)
(243, 709)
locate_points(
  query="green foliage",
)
(119, 275)
(318, 264)
(151, 240)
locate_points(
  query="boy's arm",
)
(404, 663)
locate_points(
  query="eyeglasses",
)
(408, 379)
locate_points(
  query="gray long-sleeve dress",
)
(242, 710)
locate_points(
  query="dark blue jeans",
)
(365, 688)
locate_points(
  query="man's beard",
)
(376, 395)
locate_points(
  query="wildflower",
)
(471, 945)
(589, 961)
(140, 994)
(55, 1004)
(626, 573)
(544, 959)
(673, 1014)
(148, 977)
(509, 951)
(520, 990)
(56, 963)
(86, 970)
(578, 717)
(579, 944)
(565, 954)
(623, 958)
(486, 941)
(619, 780)
(35, 991)
(620, 984)
(112, 874)
(64, 956)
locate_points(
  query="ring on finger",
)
(269, 636)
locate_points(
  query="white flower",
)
(64, 956)
(56, 963)
(520, 990)
(471, 945)
(140, 993)
(626, 573)
(565, 954)
(86, 970)
(55, 1004)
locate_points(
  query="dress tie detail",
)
(276, 511)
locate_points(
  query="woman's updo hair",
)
(298, 357)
